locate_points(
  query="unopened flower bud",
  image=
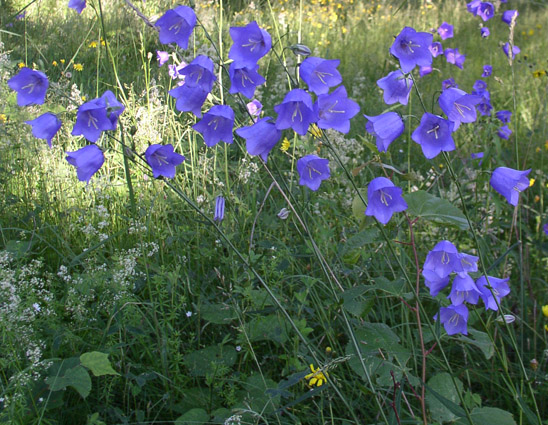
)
(300, 50)
(283, 214)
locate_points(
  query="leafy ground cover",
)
(233, 288)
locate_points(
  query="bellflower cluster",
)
(384, 199)
(162, 160)
(97, 115)
(31, 86)
(509, 183)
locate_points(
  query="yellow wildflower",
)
(545, 310)
(78, 67)
(537, 150)
(531, 32)
(84, 98)
(531, 182)
(21, 64)
(343, 29)
(102, 42)
(62, 61)
(285, 145)
(317, 377)
(54, 63)
(3, 118)
(92, 45)
(546, 328)
(315, 131)
(539, 73)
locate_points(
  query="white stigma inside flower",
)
(333, 111)
(253, 43)
(384, 197)
(321, 75)
(461, 107)
(215, 122)
(445, 258)
(297, 111)
(92, 121)
(310, 169)
(245, 78)
(434, 130)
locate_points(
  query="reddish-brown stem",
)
(396, 386)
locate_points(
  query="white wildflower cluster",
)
(359, 87)
(247, 169)
(349, 150)
(233, 420)
(75, 98)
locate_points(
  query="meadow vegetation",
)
(122, 300)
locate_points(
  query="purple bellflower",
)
(296, 112)
(453, 56)
(500, 290)
(244, 79)
(320, 74)
(260, 137)
(504, 116)
(472, 7)
(459, 106)
(445, 31)
(510, 183)
(454, 319)
(396, 87)
(386, 128)
(163, 160)
(504, 132)
(485, 32)
(335, 110)
(92, 120)
(443, 259)
(199, 73)
(113, 106)
(433, 282)
(447, 84)
(162, 57)
(466, 263)
(174, 70)
(45, 126)
(384, 199)
(189, 99)
(436, 49)
(254, 108)
(434, 135)
(425, 70)
(87, 161)
(219, 214)
(506, 50)
(216, 125)
(479, 87)
(176, 26)
(487, 71)
(30, 85)
(412, 48)
(478, 155)
(464, 289)
(484, 107)
(77, 5)
(545, 228)
(313, 170)
(251, 43)
(486, 11)
(508, 15)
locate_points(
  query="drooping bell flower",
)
(31, 86)
(92, 120)
(487, 71)
(504, 132)
(412, 49)
(199, 73)
(508, 15)
(87, 160)
(162, 57)
(254, 108)
(219, 214)
(442, 259)
(447, 84)
(445, 31)
(500, 290)
(434, 282)
(396, 87)
(45, 126)
(467, 263)
(425, 70)
(189, 99)
(386, 128)
(296, 112)
(479, 87)
(510, 183)
(216, 125)
(504, 116)
(434, 135)
(335, 110)
(320, 74)
(312, 171)
(454, 57)
(464, 289)
(113, 106)
(472, 7)
(459, 106)
(77, 5)
(384, 199)
(454, 319)
(506, 50)
(251, 43)
(244, 79)
(163, 160)
(260, 137)
(486, 11)
(176, 26)
(436, 49)
(485, 32)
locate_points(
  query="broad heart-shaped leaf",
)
(193, 416)
(488, 416)
(98, 363)
(202, 362)
(430, 207)
(481, 340)
(76, 377)
(443, 398)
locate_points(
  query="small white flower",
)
(238, 348)
(36, 307)
(188, 313)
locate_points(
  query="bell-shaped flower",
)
(244, 79)
(219, 214)
(459, 106)
(447, 84)
(320, 74)
(510, 183)
(436, 49)
(87, 161)
(189, 99)
(434, 135)
(113, 106)
(454, 319)
(162, 57)
(508, 15)
(500, 289)
(254, 108)
(445, 31)
(260, 137)
(504, 132)
(487, 71)
(472, 7)
(92, 120)
(412, 48)
(425, 70)
(480, 87)
(467, 263)
(504, 116)
(453, 56)
(174, 70)
(45, 126)
(216, 125)
(442, 259)
(396, 87)
(335, 110)
(163, 160)
(485, 11)
(433, 282)
(251, 43)
(484, 32)
(199, 73)
(77, 5)
(386, 128)
(464, 289)
(484, 107)
(296, 112)
(312, 171)
(506, 50)
(31, 86)
(384, 199)
(176, 26)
